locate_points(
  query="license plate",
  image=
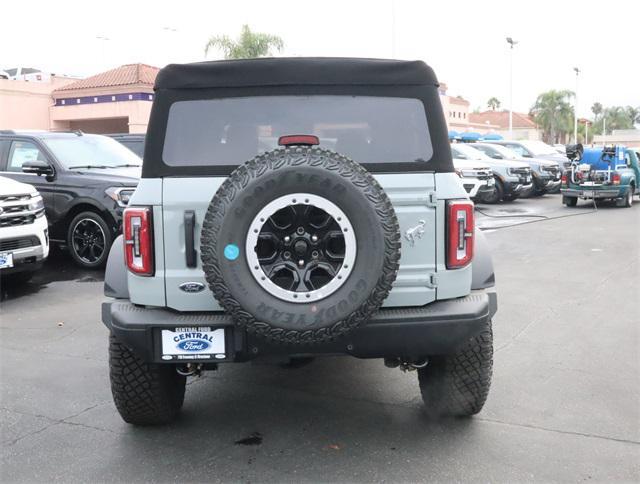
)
(588, 193)
(199, 343)
(6, 260)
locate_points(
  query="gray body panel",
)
(417, 197)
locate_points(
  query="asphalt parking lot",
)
(564, 405)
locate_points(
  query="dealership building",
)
(115, 101)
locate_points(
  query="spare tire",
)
(300, 245)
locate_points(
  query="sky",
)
(464, 41)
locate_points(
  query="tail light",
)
(298, 139)
(138, 240)
(616, 179)
(460, 228)
(563, 180)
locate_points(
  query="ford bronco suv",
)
(296, 208)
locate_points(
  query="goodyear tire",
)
(457, 385)
(144, 393)
(300, 245)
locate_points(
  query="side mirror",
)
(496, 156)
(526, 155)
(37, 167)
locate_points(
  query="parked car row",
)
(512, 174)
(84, 182)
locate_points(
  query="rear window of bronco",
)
(230, 131)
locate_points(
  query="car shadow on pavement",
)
(57, 268)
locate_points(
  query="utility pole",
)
(511, 42)
(575, 109)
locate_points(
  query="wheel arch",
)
(482, 273)
(84, 205)
(115, 274)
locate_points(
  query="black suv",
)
(133, 141)
(85, 180)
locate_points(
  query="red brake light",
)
(616, 178)
(138, 240)
(563, 179)
(460, 233)
(298, 139)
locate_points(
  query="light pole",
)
(511, 43)
(575, 109)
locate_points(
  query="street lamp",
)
(511, 42)
(575, 109)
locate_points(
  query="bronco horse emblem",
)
(414, 233)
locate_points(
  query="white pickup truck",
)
(24, 237)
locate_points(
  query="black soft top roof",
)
(295, 71)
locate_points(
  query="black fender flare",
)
(115, 274)
(482, 274)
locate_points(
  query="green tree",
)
(616, 117)
(634, 114)
(493, 103)
(247, 46)
(597, 109)
(553, 113)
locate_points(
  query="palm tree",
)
(597, 109)
(553, 113)
(248, 45)
(493, 103)
(634, 114)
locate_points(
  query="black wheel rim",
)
(88, 241)
(301, 248)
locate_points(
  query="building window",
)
(95, 99)
(62, 102)
(113, 98)
(78, 101)
(130, 97)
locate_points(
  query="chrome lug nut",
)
(287, 239)
(314, 254)
(300, 230)
(314, 238)
(287, 255)
(301, 263)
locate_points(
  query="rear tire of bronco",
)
(457, 385)
(144, 393)
(570, 201)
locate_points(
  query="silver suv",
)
(296, 208)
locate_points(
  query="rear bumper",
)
(438, 328)
(594, 192)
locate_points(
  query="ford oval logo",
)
(193, 345)
(191, 287)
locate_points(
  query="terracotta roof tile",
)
(501, 118)
(128, 74)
